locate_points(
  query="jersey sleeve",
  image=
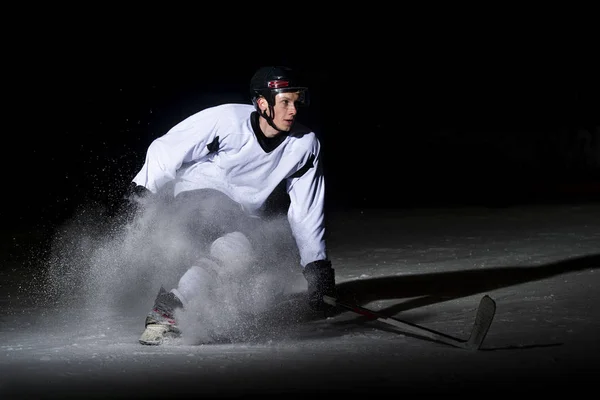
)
(306, 189)
(185, 142)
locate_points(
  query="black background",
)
(412, 110)
(442, 106)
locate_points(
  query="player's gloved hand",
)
(132, 199)
(321, 281)
(138, 190)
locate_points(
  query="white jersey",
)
(217, 148)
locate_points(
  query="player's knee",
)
(234, 253)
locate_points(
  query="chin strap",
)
(269, 119)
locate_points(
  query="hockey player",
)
(223, 163)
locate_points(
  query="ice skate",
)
(160, 322)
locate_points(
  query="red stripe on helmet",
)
(278, 84)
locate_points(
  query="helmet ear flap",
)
(268, 95)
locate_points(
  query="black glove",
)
(321, 281)
(138, 190)
(130, 202)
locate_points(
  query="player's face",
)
(284, 113)
(285, 110)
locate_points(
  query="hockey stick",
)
(483, 319)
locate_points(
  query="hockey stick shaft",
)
(475, 339)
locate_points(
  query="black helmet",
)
(269, 81)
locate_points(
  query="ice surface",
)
(426, 266)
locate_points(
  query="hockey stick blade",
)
(483, 320)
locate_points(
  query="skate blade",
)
(155, 334)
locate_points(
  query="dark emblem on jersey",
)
(309, 164)
(213, 146)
